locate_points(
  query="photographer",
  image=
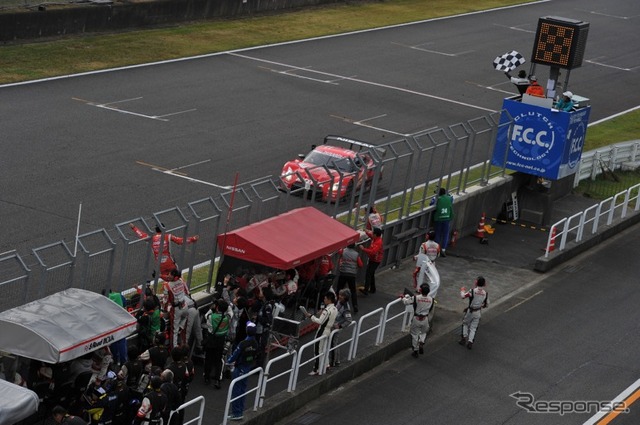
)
(217, 330)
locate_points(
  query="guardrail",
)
(614, 157)
(577, 226)
(358, 330)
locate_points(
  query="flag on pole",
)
(508, 62)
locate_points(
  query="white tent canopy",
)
(16, 403)
(63, 326)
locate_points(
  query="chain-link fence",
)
(403, 182)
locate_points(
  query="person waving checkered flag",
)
(508, 62)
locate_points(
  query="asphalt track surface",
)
(570, 336)
(129, 142)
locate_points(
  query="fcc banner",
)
(543, 142)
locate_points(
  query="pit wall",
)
(403, 237)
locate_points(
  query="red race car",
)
(333, 172)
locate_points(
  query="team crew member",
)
(180, 302)
(325, 320)
(244, 358)
(349, 262)
(374, 219)
(153, 405)
(158, 242)
(422, 305)
(375, 252)
(430, 247)
(478, 299)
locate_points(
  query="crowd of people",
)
(145, 380)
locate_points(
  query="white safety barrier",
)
(588, 221)
(381, 318)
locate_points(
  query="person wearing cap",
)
(244, 358)
(534, 88)
(478, 299)
(565, 103)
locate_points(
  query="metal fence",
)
(589, 221)
(455, 157)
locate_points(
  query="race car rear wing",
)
(351, 143)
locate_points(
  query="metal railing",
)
(299, 360)
(588, 221)
(614, 157)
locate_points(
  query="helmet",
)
(424, 289)
(533, 78)
(568, 94)
(251, 328)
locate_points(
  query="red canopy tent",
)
(288, 240)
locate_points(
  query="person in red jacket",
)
(167, 263)
(375, 253)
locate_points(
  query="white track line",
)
(361, 81)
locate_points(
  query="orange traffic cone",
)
(552, 241)
(480, 230)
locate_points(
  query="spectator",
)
(243, 358)
(132, 371)
(375, 252)
(566, 102)
(172, 392)
(61, 416)
(217, 324)
(343, 320)
(264, 310)
(162, 245)
(149, 323)
(442, 217)
(153, 405)
(534, 88)
(240, 316)
(118, 348)
(158, 355)
(181, 373)
(349, 262)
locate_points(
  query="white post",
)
(75, 250)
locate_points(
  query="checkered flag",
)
(508, 61)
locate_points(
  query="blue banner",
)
(541, 141)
